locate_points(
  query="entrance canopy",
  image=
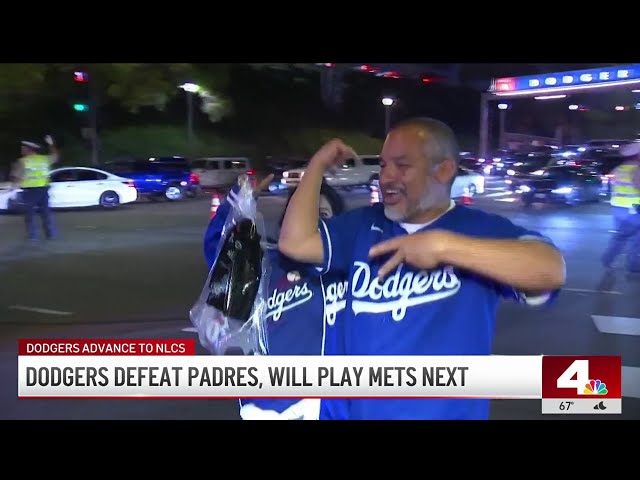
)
(547, 85)
(565, 82)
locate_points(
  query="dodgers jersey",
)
(443, 311)
(301, 303)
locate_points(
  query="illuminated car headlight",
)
(525, 188)
(562, 190)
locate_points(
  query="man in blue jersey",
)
(425, 274)
(301, 307)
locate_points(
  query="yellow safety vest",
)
(623, 191)
(36, 171)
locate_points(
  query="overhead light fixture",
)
(549, 97)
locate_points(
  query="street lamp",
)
(388, 103)
(191, 89)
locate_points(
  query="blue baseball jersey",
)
(443, 311)
(301, 303)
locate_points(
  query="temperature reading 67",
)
(565, 405)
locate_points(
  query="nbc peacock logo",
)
(595, 387)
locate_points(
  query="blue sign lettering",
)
(606, 75)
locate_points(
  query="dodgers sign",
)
(554, 81)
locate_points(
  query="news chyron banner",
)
(101, 368)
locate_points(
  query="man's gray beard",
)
(428, 200)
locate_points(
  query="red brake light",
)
(193, 178)
(251, 172)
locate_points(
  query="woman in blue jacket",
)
(300, 306)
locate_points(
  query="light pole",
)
(191, 89)
(503, 107)
(388, 103)
(573, 125)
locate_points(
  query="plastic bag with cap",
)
(230, 313)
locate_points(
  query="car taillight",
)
(193, 178)
(130, 183)
(251, 172)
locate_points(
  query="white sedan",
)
(72, 187)
(467, 182)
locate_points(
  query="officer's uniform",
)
(625, 206)
(34, 183)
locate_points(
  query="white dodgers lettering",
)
(400, 291)
(280, 302)
(335, 300)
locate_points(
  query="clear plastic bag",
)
(230, 313)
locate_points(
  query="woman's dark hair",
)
(334, 199)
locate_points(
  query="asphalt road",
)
(136, 271)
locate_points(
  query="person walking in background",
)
(31, 173)
(625, 208)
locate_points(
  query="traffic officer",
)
(31, 172)
(625, 206)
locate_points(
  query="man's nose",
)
(388, 175)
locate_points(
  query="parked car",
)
(561, 184)
(158, 177)
(220, 172)
(602, 163)
(497, 163)
(352, 173)
(522, 169)
(470, 161)
(605, 145)
(72, 187)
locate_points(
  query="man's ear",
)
(446, 171)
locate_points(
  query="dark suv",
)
(157, 177)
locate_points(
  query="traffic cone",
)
(375, 192)
(467, 197)
(215, 203)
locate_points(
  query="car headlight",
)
(562, 190)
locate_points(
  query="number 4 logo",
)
(576, 376)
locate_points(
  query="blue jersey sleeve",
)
(214, 229)
(505, 229)
(339, 236)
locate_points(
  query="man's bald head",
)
(436, 138)
(417, 167)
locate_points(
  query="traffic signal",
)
(81, 77)
(81, 107)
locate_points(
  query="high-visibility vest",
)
(36, 171)
(624, 193)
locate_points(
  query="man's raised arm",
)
(299, 237)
